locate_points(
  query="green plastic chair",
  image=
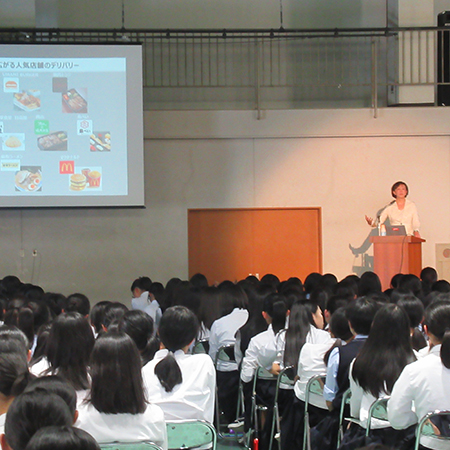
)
(315, 386)
(143, 445)
(285, 377)
(201, 346)
(345, 401)
(189, 434)
(434, 425)
(377, 410)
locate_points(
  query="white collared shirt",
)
(407, 216)
(194, 397)
(223, 332)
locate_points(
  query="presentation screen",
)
(71, 126)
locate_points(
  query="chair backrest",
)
(201, 346)
(434, 426)
(190, 434)
(377, 410)
(225, 354)
(142, 445)
(345, 401)
(315, 386)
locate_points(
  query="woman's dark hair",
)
(348, 287)
(199, 280)
(300, 320)
(96, 316)
(339, 329)
(428, 275)
(62, 438)
(14, 374)
(139, 326)
(232, 296)
(415, 310)
(211, 299)
(255, 323)
(78, 303)
(115, 369)
(312, 281)
(369, 283)
(442, 286)
(31, 411)
(11, 284)
(385, 353)
(12, 332)
(57, 303)
(112, 314)
(54, 384)
(142, 283)
(19, 315)
(395, 280)
(41, 344)
(410, 283)
(69, 347)
(275, 306)
(271, 280)
(396, 185)
(360, 313)
(437, 320)
(177, 329)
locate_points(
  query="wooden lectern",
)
(396, 254)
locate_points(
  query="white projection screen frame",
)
(71, 126)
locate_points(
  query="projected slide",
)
(71, 126)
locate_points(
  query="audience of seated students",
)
(182, 385)
(374, 372)
(223, 332)
(139, 326)
(115, 406)
(262, 352)
(424, 386)
(144, 300)
(62, 438)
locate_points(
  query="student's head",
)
(360, 314)
(177, 329)
(30, 412)
(274, 311)
(348, 287)
(69, 347)
(12, 332)
(232, 296)
(410, 283)
(78, 303)
(386, 352)
(14, 374)
(413, 307)
(312, 281)
(54, 384)
(19, 315)
(437, 325)
(271, 280)
(115, 369)
(199, 280)
(397, 185)
(113, 312)
(97, 315)
(62, 438)
(428, 275)
(139, 326)
(140, 285)
(369, 283)
(442, 286)
(339, 325)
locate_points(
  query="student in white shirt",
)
(374, 371)
(182, 385)
(144, 300)
(424, 385)
(223, 332)
(116, 408)
(262, 352)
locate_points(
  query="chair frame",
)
(283, 378)
(423, 421)
(345, 401)
(200, 342)
(306, 428)
(203, 424)
(138, 445)
(378, 405)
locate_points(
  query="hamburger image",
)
(77, 182)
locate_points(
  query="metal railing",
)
(189, 69)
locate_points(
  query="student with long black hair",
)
(70, 343)
(379, 363)
(62, 438)
(116, 407)
(426, 382)
(182, 385)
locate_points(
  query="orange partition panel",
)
(230, 244)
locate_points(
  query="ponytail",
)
(445, 349)
(168, 372)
